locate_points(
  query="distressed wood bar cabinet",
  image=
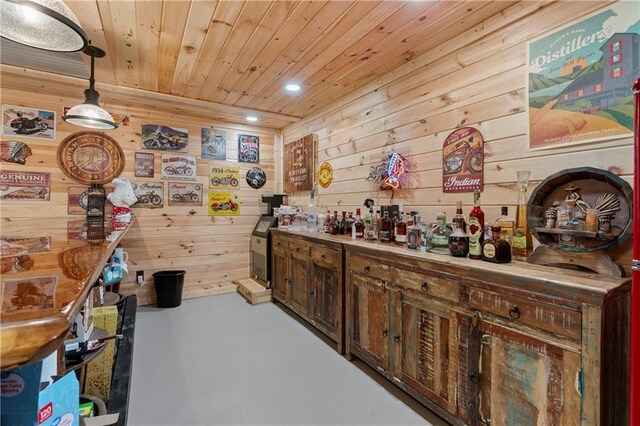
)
(476, 342)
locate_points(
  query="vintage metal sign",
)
(16, 264)
(325, 175)
(144, 164)
(185, 194)
(28, 294)
(165, 138)
(28, 122)
(248, 149)
(256, 177)
(214, 143)
(78, 197)
(14, 152)
(223, 204)
(15, 246)
(178, 167)
(463, 161)
(24, 185)
(150, 194)
(224, 177)
(298, 165)
(90, 157)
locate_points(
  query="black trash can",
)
(169, 288)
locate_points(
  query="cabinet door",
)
(425, 339)
(369, 322)
(300, 284)
(280, 275)
(524, 381)
(325, 299)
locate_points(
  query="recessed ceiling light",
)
(252, 118)
(292, 87)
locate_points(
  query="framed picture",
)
(28, 122)
(150, 194)
(144, 164)
(298, 165)
(185, 194)
(165, 138)
(580, 78)
(178, 167)
(214, 144)
(248, 149)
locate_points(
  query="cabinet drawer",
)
(281, 243)
(433, 286)
(300, 247)
(371, 267)
(326, 257)
(540, 315)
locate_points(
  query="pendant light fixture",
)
(90, 114)
(43, 24)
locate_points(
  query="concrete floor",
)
(218, 360)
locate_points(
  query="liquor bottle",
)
(460, 215)
(400, 229)
(327, 223)
(459, 240)
(475, 228)
(522, 242)
(358, 225)
(348, 223)
(312, 215)
(322, 218)
(410, 220)
(414, 236)
(386, 228)
(506, 225)
(496, 249)
(335, 225)
(439, 236)
(369, 228)
(376, 223)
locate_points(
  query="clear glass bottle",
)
(475, 228)
(369, 228)
(358, 225)
(506, 225)
(312, 215)
(458, 240)
(439, 236)
(386, 228)
(496, 249)
(376, 224)
(522, 242)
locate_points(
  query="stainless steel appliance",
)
(261, 248)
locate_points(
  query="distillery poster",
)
(580, 78)
(463, 161)
(298, 165)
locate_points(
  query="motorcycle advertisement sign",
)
(185, 194)
(223, 204)
(150, 194)
(24, 185)
(248, 149)
(165, 138)
(463, 161)
(178, 167)
(28, 122)
(143, 166)
(214, 143)
(224, 177)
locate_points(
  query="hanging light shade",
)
(90, 114)
(43, 24)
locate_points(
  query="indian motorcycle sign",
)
(463, 161)
(178, 167)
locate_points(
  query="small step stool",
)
(253, 291)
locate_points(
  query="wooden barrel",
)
(592, 183)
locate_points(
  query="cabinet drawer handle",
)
(514, 313)
(385, 333)
(473, 376)
(396, 338)
(425, 287)
(297, 248)
(367, 269)
(322, 257)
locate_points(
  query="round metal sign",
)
(325, 175)
(90, 157)
(256, 177)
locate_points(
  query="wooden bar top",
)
(48, 269)
(580, 286)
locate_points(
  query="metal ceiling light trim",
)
(89, 114)
(42, 24)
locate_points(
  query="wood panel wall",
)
(214, 252)
(475, 79)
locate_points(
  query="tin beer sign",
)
(463, 161)
(248, 149)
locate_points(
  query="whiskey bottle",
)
(348, 223)
(496, 249)
(506, 225)
(376, 224)
(459, 240)
(343, 222)
(475, 228)
(386, 228)
(334, 225)
(369, 227)
(401, 230)
(358, 225)
(460, 215)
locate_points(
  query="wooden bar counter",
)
(482, 343)
(48, 269)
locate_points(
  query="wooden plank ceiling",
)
(243, 53)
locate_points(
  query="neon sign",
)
(395, 169)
